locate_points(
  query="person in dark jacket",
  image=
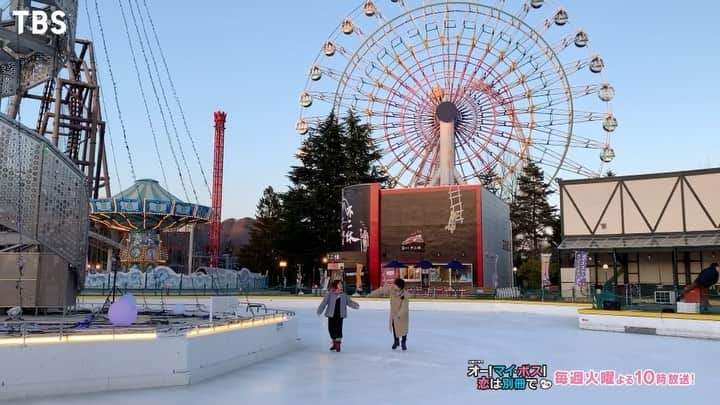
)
(706, 279)
(335, 306)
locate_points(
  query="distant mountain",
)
(234, 234)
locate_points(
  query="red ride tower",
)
(214, 244)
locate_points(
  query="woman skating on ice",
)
(335, 306)
(399, 310)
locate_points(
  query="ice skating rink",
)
(434, 369)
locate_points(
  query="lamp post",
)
(283, 264)
(323, 270)
(514, 276)
(606, 267)
(298, 282)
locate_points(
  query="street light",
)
(283, 264)
(324, 262)
(514, 276)
(606, 267)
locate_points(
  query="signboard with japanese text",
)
(355, 218)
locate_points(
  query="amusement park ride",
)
(52, 173)
(457, 92)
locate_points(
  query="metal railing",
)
(186, 286)
(64, 330)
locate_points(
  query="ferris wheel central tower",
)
(444, 175)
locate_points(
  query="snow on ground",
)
(434, 369)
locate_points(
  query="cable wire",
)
(144, 98)
(174, 92)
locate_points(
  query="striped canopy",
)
(146, 206)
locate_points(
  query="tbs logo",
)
(40, 24)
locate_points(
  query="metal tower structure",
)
(214, 243)
(71, 116)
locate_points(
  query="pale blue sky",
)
(250, 58)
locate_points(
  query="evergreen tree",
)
(489, 180)
(261, 251)
(336, 156)
(311, 214)
(529, 274)
(531, 214)
(360, 154)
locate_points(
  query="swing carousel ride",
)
(459, 92)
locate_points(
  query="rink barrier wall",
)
(678, 325)
(420, 304)
(63, 368)
(449, 305)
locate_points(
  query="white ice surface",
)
(433, 370)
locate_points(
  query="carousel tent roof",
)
(146, 206)
(146, 189)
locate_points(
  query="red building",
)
(415, 233)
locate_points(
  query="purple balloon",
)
(122, 312)
(129, 297)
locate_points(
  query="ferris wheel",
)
(457, 92)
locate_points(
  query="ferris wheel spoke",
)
(568, 69)
(488, 47)
(470, 26)
(546, 52)
(474, 39)
(470, 158)
(393, 93)
(522, 12)
(386, 68)
(406, 153)
(451, 84)
(534, 64)
(426, 38)
(514, 26)
(467, 141)
(566, 165)
(517, 67)
(409, 74)
(379, 89)
(548, 156)
(505, 53)
(499, 149)
(493, 150)
(414, 91)
(428, 158)
(575, 91)
(562, 119)
(398, 139)
(570, 166)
